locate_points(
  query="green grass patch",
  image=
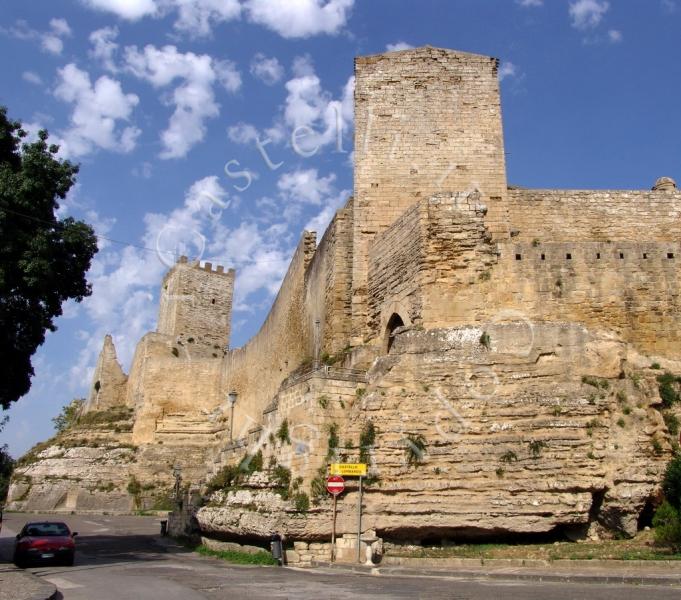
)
(238, 558)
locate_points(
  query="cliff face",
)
(516, 429)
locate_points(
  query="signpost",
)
(349, 470)
(335, 485)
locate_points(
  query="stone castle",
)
(492, 352)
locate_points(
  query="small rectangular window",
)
(543, 256)
(645, 256)
(670, 255)
(518, 257)
(568, 256)
(621, 254)
(598, 256)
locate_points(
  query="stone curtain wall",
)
(594, 215)
(396, 259)
(328, 284)
(426, 121)
(196, 302)
(283, 343)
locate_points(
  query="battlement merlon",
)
(196, 303)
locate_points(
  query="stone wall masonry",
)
(283, 343)
(196, 302)
(166, 378)
(108, 381)
(328, 289)
(396, 260)
(594, 215)
(426, 121)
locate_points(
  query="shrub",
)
(671, 484)
(224, 479)
(535, 447)
(621, 422)
(301, 502)
(367, 438)
(596, 382)
(283, 433)
(508, 457)
(667, 524)
(323, 401)
(134, 486)
(667, 389)
(318, 486)
(655, 366)
(333, 441)
(175, 352)
(672, 423)
(657, 447)
(69, 415)
(485, 340)
(281, 476)
(415, 448)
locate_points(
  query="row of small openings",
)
(568, 256)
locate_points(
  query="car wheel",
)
(68, 561)
(18, 561)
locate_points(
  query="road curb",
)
(29, 586)
(656, 580)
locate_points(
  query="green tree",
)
(43, 259)
(69, 415)
(6, 467)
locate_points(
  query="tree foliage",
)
(43, 259)
(6, 467)
(69, 415)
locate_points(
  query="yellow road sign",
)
(349, 469)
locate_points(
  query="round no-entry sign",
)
(335, 484)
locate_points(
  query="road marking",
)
(63, 584)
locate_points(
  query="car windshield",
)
(46, 529)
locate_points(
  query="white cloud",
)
(530, 3)
(289, 18)
(96, 110)
(587, 14)
(268, 70)
(104, 47)
(126, 9)
(309, 105)
(398, 46)
(242, 133)
(32, 77)
(615, 36)
(228, 75)
(321, 221)
(197, 17)
(194, 99)
(60, 27)
(300, 18)
(50, 40)
(507, 69)
(305, 186)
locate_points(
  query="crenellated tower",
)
(196, 303)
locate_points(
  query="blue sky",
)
(156, 99)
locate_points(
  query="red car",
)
(45, 541)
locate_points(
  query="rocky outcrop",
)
(521, 428)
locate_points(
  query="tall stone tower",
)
(108, 380)
(196, 303)
(427, 121)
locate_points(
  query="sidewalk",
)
(665, 573)
(17, 584)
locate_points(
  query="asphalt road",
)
(121, 558)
